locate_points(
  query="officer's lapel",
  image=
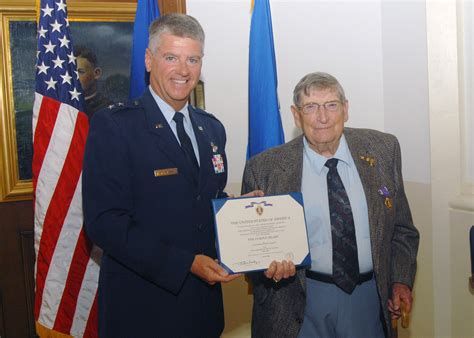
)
(204, 146)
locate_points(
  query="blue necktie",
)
(345, 263)
(186, 144)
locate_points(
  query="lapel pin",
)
(214, 147)
(158, 126)
(111, 106)
(383, 191)
(200, 128)
(370, 160)
(120, 104)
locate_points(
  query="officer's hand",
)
(210, 271)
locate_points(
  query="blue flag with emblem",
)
(147, 11)
(265, 128)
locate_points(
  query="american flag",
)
(67, 264)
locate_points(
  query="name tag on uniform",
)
(166, 172)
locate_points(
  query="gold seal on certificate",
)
(252, 232)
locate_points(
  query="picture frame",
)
(197, 96)
(112, 24)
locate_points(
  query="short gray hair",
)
(177, 24)
(318, 80)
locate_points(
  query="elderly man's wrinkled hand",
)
(401, 293)
(280, 270)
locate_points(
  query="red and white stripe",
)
(67, 265)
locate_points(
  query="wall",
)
(452, 198)
(362, 43)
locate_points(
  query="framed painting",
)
(105, 28)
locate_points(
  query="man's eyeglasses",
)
(311, 108)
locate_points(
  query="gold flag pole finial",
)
(252, 3)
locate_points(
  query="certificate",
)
(252, 232)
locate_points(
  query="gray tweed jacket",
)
(278, 309)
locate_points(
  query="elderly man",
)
(151, 168)
(362, 239)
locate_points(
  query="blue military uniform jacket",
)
(143, 208)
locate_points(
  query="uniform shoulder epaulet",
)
(204, 113)
(135, 104)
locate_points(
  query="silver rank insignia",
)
(214, 147)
